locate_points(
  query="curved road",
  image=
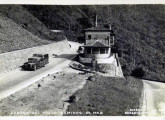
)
(16, 80)
(154, 98)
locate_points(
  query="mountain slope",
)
(22, 17)
(19, 29)
(139, 31)
(14, 37)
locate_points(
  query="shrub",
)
(91, 78)
(80, 38)
(138, 72)
(73, 99)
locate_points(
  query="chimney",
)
(96, 21)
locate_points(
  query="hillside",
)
(108, 96)
(14, 37)
(139, 31)
(19, 29)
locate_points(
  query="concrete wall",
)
(99, 61)
(112, 67)
(99, 56)
(12, 60)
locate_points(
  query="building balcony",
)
(106, 42)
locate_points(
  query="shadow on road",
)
(161, 81)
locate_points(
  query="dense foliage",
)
(138, 72)
(139, 31)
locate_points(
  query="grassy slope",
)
(112, 96)
(19, 29)
(139, 31)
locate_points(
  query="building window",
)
(95, 50)
(88, 50)
(102, 50)
(89, 37)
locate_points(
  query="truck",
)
(36, 61)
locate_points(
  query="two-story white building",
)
(98, 43)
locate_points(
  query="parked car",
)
(35, 62)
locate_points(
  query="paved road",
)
(154, 98)
(16, 80)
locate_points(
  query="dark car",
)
(35, 62)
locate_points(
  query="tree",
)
(138, 72)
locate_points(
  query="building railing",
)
(108, 60)
(106, 42)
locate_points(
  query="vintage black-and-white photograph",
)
(82, 60)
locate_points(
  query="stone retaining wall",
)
(13, 60)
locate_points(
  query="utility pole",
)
(96, 21)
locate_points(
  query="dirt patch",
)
(48, 96)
